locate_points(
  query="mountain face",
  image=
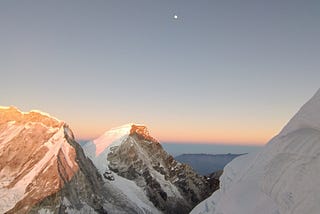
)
(205, 164)
(128, 154)
(30, 172)
(282, 178)
(43, 170)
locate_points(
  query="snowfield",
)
(282, 178)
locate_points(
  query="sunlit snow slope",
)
(282, 178)
(35, 158)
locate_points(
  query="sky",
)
(230, 72)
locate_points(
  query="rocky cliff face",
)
(35, 159)
(133, 154)
(43, 170)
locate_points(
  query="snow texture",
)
(282, 178)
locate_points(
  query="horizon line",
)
(254, 144)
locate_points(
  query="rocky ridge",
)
(135, 155)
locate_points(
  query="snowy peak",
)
(113, 136)
(116, 136)
(36, 158)
(120, 131)
(142, 132)
(15, 115)
(130, 156)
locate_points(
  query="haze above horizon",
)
(232, 72)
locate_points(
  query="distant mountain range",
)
(206, 164)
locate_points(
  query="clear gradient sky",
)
(224, 71)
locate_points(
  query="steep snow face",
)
(113, 136)
(282, 178)
(30, 145)
(134, 163)
(98, 149)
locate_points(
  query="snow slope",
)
(98, 150)
(30, 144)
(282, 178)
(114, 136)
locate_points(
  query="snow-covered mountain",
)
(43, 170)
(30, 146)
(282, 178)
(135, 163)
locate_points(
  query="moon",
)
(175, 16)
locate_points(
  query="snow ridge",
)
(307, 117)
(283, 178)
(114, 136)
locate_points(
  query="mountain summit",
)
(282, 178)
(129, 155)
(116, 135)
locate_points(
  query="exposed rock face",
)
(35, 159)
(42, 169)
(172, 187)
